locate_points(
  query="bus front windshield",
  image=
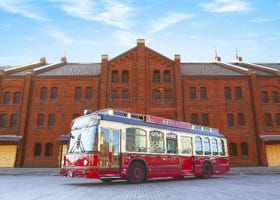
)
(83, 135)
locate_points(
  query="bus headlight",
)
(85, 162)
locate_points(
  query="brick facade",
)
(143, 81)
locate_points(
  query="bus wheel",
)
(136, 173)
(206, 170)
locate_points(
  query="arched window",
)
(244, 149)
(54, 93)
(49, 149)
(78, 93)
(17, 97)
(6, 99)
(89, 93)
(37, 149)
(40, 120)
(43, 93)
(3, 120)
(233, 149)
(206, 146)
(198, 145)
(51, 120)
(14, 120)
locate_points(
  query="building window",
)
(114, 94)
(277, 118)
(230, 120)
(167, 94)
(268, 120)
(78, 93)
(227, 93)
(3, 120)
(125, 76)
(244, 149)
(194, 118)
(238, 93)
(43, 93)
(54, 93)
(6, 99)
(192, 93)
(115, 76)
(14, 120)
(167, 76)
(241, 119)
(37, 149)
(40, 120)
(156, 94)
(203, 93)
(275, 98)
(125, 94)
(156, 76)
(205, 119)
(51, 120)
(17, 97)
(233, 149)
(89, 93)
(264, 97)
(49, 149)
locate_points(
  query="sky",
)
(84, 30)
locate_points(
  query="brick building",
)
(38, 102)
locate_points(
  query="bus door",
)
(109, 150)
(187, 155)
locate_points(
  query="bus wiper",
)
(78, 145)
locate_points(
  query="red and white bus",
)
(111, 144)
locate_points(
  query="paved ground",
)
(55, 171)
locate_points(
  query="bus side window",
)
(186, 145)
(198, 145)
(156, 142)
(136, 140)
(214, 143)
(207, 150)
(222, 147)
(171, 143)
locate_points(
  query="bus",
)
(111, 144)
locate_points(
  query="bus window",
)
(222, 147)
(156, 142)
(198, 145)
(171, 143)
(214, 143)
(136, 140)
(186, 145)
(104, 147)
(207, 150)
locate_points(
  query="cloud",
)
(22, 7)
(168, 20)
(58, 34)
(225, 6)
(263, 20)
(111, 12)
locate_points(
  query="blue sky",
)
(86, 29)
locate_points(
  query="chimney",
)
(218, 59)
(238, 59)
(104, 57)
(140, 41)
(43, 60)
(63, 59)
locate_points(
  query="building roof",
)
(208, 69)
(74, 69)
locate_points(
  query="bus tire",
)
(136, 172)
(206, 170)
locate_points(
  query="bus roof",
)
(155, 122)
